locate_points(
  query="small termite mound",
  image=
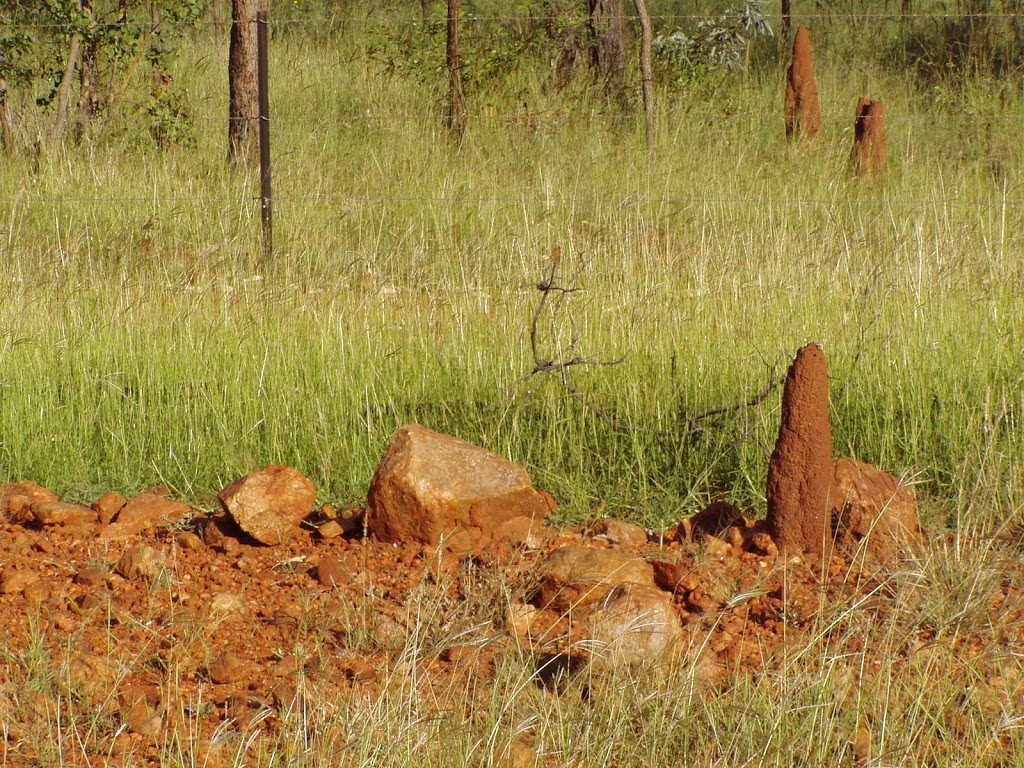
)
(870, 155)
(800, 471)
(803, 112)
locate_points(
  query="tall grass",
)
(143, 340)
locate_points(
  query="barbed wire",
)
(621, 200)
(555, 117)
(467, 18)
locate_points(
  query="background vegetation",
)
(144, 340)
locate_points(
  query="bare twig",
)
(553, 293)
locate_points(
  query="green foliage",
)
(717, 42)
(115, 38)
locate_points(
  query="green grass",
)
(143, 341)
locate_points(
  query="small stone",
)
(17, 499)
(139, 706)
(108, 505)
(226, 604)
(636, 624)
(140, 562)
(620, 533)
(575, 576)
(14, 582)
(91, 577)
(148, 510)
(227, 668)
(221, 533)
(269, 504)
(519, 619)
(715, 547)
(283, 696)
(330, 572)
(330, 530)
(189, 541)
(715, 519)
(763, 544)
(526, 532)
(669, 575)
(63, 513)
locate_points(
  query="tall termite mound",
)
(800, 471)
(870, 155)
(803, 112)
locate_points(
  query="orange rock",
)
(428, 485)
(17, 499)
(873, 511)
(572, 577)
(269, 504)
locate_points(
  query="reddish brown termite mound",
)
(870, 155)
(800, 471)
(803, 112)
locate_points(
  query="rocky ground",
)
(137, 628)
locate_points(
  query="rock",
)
(525, 532)
(93, 676)
(227, 668)
(800, 470)
(91, 577)
(330, 530)
(634, 624)
(108, 505)
(715, 519)
(269, 504)
(226, 604)
(139, 707)
(17, 499)
(870, 154)
(221, 533)
(62, 513)
(331, 573)
(14, 582)
(673, 576)
(872, 510)
(189, 541)
(140, 562)
(572, 577)
(619, 533)
(148, 510)
(428, 485)
(519, 620)
(803, 112)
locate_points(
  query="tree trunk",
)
(787, 19)
(608, 51)
(645, 69)
(6, 124)
(455, 120)
(60, 122)
(243, 91)
(88, 103)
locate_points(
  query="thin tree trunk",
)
(87, 101)
(787, 19)
(456, 117)
(608, 52)
(60, 122)
(645, 69)
(6, 124)
(243, 91)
